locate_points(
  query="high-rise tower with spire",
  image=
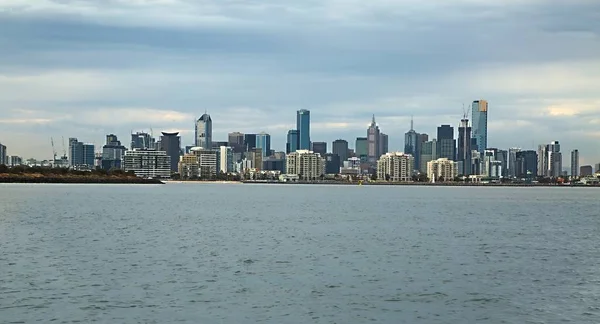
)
(411, 143)
(373, 138)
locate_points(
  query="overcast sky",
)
(85, 68)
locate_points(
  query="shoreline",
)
(425, 184)
(57, 179)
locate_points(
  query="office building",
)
(14, 161)
(362, 148)
(597, 167)
(340, 147)
(203, 132)
(226, 163)
(476, 161)
(148, 163)
(395, 167)
(442, 169)
(171, 143)
(542, 154)
(256, 158)
(373, 138)
(480, 124)
(319, 147)
(236, 141)
(411, 144)
(142, 140)
(554, 160)
(112, 153)
(332, 163)
(306, 164)
(526, 164)
(586, 171)
(446, 142)
(81, 155)
(421, 139)
(491, 167)
(3, 155)
(575, 163)
(188, 167)
(464, 147)
(383, 143)
(249, 142)
(303, 128)
(208, 162)
(428, 153)
(512, 162)
(292, 141)
(263, 142)
(502, 156)
(274, 164)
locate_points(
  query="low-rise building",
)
(306, 164)
(395, 167)
(586, 170)
(148, 163)
(442, 169)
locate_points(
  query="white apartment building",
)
(395, 167)
(306, 164)
(225, 159)
(148, 163)
(442, 168)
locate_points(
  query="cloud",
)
(86, 68)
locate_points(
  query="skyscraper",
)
(235, 140)
(542, 155)
(319, 147)
(446, 142)
(263, 141)
(171, 143)
(3, 156)
(142, 140)
(526, 163)
(512, 161)
(81, 155)
(249, 142)
(428, 153)
(554, 159)
(203, 132)
(362, 148)
(340, 147)
(303, 128)
(373, 137)
(411, 142)
(383, 143)
(112, 153)
(464, 147)
(292, 141)
(575, 163)
(480, 120)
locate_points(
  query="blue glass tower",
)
(480, 124)
(263, 142)
(303, 128)
(292, 141)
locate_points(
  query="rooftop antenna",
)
(411, 123)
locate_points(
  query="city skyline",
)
(251, 70)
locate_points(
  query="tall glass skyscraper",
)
(446, 142)
(303, 128)
(464, 147)
(292, 141)
(171, 143)
(480, 124)
(263, 142)
(204, 132)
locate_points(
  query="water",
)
(231, 253)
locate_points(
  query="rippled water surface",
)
(231, 253)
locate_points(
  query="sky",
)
(87, 68)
